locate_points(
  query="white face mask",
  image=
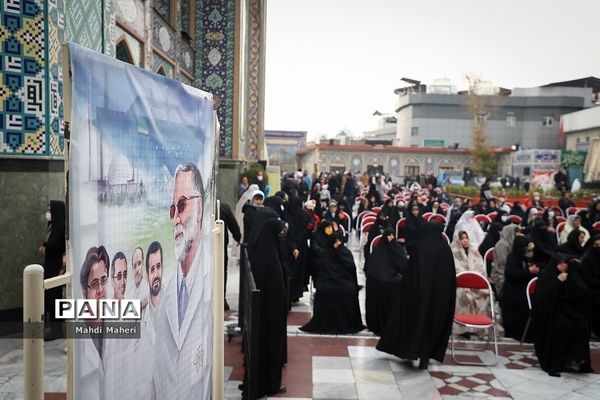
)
(260, 177)
(48, 216)
(505, 218)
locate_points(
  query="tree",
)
(482, 102)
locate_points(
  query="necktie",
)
(182, 302)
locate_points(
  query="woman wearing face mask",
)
(467, 258)
(384, 276)
(549, 217)
(520, 269)
(53, 250)
(590, 270)
(561, 318)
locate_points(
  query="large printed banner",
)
(141, 175)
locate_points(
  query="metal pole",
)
(218, 301)
(33, 332)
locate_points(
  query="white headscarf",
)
(469, 224)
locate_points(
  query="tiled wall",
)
(215, 35)
(24, 79)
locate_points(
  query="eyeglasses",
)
(121, 275)
(180, 205)
(96, 283)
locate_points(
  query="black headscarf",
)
(545, 242)
(561, 318)
(572, 247)
(590, 271)
(388, 261)
(275, 203)
(54, 247)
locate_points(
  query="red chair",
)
(360, 217)
(439, 218)
(446, 237)
(557, 211)
(560, 218)
(596, 226)
(529, 292)
(492, 216)
(346, 218)
(572, 210)
(475, 281)
(488, 259)
(399, 225)
(559, 228)
(481, 218)
(368, 220)
(374, 243)
(376, 210)
(508, 203)
(515, 219)
(427, 215)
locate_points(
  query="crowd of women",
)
(415, 242)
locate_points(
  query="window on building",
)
(511, 120)
(548, 120)
(166, 8)
(161, 71)
(412, 170)
(414, 131)
(480, 118)
(123, 52)
(587, 139)
(188, 13)
(578, 140)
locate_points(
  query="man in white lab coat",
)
(139, 288)
(142, 350)
(183, 342)
(89, 367)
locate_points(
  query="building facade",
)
(528, 117)
(217, 46)
(580, 128)
(282, 147)
(397, 161)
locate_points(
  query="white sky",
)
(331, 63)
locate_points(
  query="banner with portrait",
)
(141, 199)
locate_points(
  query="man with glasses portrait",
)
(94, 279)
(183, 344)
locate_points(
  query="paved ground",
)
(349, 367)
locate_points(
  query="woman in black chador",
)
(267, 268)
(590, 271)
(336, 309)
(297, 237)
(421, 322)
(520, 269)
(54, 250)
(561, 318)
(387, 264)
